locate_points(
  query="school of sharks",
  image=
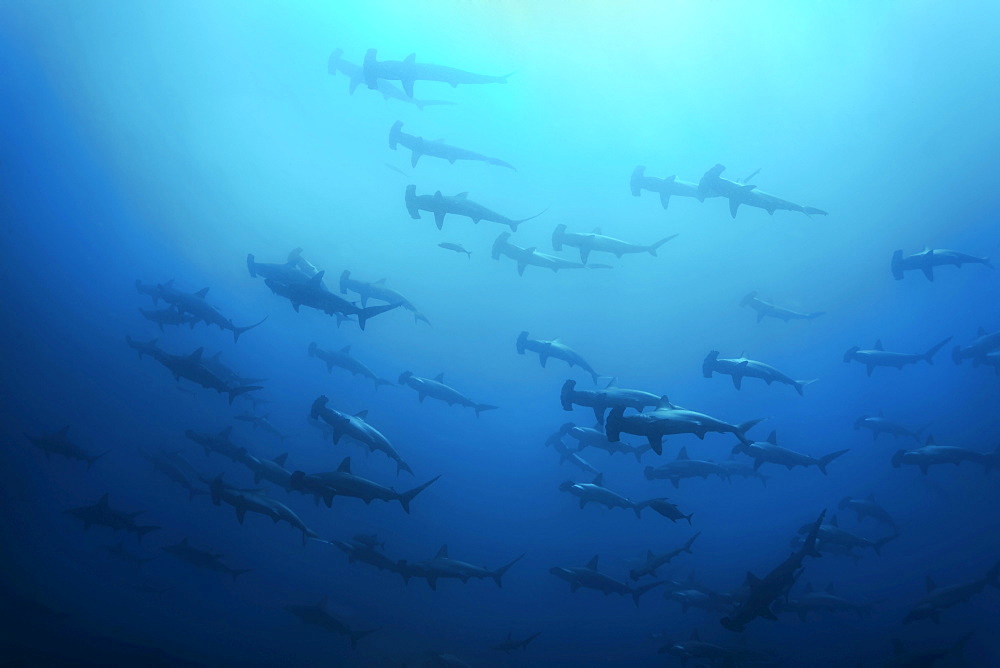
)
(230, 470)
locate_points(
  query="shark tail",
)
(823, 461)
(403, 466)
(515, 223)
(237, 391)
(142, 531)
(636, 593)
(497, 575)
(929, 355)
(93, 458)
(406, 497)
(687, 546)
(813, 211)
(371, 312)
(742, 429)
(801, 384)
(652, 249)
(240, 571)
(484, 407)
(420, 317)
(880, 543)
(239, 330)
(382, 381)
(358, 635)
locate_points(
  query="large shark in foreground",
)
(878, 424)
(408, 71)
(457, 205)
(343, 482)
(656, 561)
(312, 294)
(879, 356)
(555, 349)
(436, 389)
(742, 367)
(355, 427)
(244, 501)
(773, 587)
(355, 74)
(588, 578)
(591, 242)
(684, 467)
(193, 368)
(444, 567)
(420, 147)
(712, 183)
(596, 492)
(195, 305)
(929, 258)
(342, 358)
(768, 310)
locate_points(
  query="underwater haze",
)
(710, 270)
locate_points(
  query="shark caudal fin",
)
(514, 223)
(411, 202)
(93, 458)
(639, 591)
(823, 461)
(239, 571)
(403, 466)
(897, 265)
(484, 407)
(635, 181)
(929, 355)
(237, 391)
(742, 429)
(800, 385)
(497, 575)
(142, 531)
(406, 497)
(652, 249)
(358, 635)
(813, 211)
(239, 330)
(371, 312)
(558, 236)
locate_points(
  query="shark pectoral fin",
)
(439, 219)
(734, 206)
(929, 273)
(870, 369)
(542, 359)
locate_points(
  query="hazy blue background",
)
(167, 140)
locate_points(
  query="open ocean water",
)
(148, 148)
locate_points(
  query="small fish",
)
(458, 248)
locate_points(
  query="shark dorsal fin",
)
(830, 588)
(695, 635)
(439, 378)
(612, 383)
(345, 466)
(184, 542)
(380, 281)
(930, 584)
(201, 293)
(596, 230)
(216, 356)
(683, 454)
(196, 355)
(103, 502)
(664, 403)
(226, 432)
(649, 555)
(442, 553)
(878, 345)
(982, 331)
(930, 440)
(808, 588)
(317, 279)
(62, 432)
(438, 195)
(599, 479)
(752, 580)
(462, 195)
(362, 414)
(592, 564)
(772, 438)
(871, 497)
(345, 350)
(410, 58)
(834, 521)
(280, 459)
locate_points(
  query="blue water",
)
(160, 141)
